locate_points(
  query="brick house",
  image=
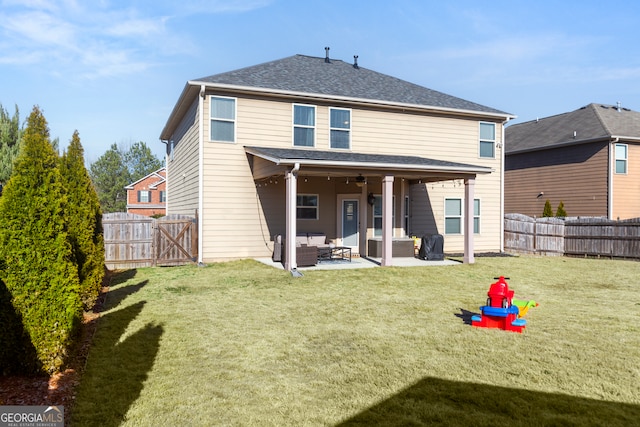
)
(148, 195)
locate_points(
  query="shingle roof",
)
(313, 75)
(591, 122)
(341, 158)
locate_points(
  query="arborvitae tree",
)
(547, 212)
(84, 218)
(560, 212)
(36, 258)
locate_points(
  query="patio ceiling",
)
(266, 162)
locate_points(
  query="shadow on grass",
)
(117, 295)
(466, 316)
(119, 277)
(117, 368)
(434, 401)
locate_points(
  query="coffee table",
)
(342, 253)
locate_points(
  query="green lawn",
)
(241, 343)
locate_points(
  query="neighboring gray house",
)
(589, 159)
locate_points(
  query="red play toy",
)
(499, 311)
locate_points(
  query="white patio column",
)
(291, 178)
(469, 185)
(387, 223)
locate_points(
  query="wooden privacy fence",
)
(543, 236)
(132, 241)
(582, 236)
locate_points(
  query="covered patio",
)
(294, 164)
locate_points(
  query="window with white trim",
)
(307, 206)
(406, 215)
(377, 215)
(453, 216)
(304, 125)
(163, 196)
(621, 158)
(340, 128)
(223, 119)
(487, 140)
(144, 196)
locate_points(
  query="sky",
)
(113, 70)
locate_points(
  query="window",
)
(340, 128)
(223, 119)
(144, 196)
(377, 215)
(307, 206)
(487, 140)
(621, 158)
(453, 216)
(406, 215)
(304, 122)
(163, 196)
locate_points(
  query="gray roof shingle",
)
(306, 74)
(591, 122)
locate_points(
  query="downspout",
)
(200, 172)
(502, 172)
(166, 166)
(612, 165)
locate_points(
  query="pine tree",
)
(560, 212)
(84, 218)
(547, 212)
(37, 261)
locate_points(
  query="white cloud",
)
(72, 38)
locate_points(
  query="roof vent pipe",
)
(355, 62)
(326, 58)
(618, 106)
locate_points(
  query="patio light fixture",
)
(360, 181)
(371, 199)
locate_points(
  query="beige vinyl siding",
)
(182, 171)
(626, 187)
(234, 224)
(576, 175)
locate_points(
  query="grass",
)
(240, 343)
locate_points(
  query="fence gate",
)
(132, 241)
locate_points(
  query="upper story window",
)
(144, 196)
(487, 140)
(163, 196)
(223, 119)
(340, 128)
(621, 158)
(307, 206)
(304, 125)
